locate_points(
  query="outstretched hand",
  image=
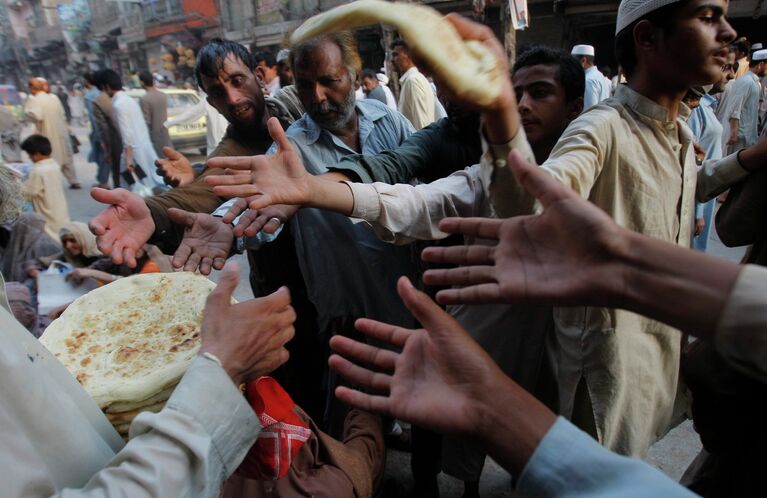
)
(566, 255)
(434, 382)
(175, 168)
(124, 227)
(206, 243)
(252, 221)
(277, 179)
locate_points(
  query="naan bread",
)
(468, 68)
(128, 341)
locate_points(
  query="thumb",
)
(181, 217)
(171, 153)
(278, 135)
(431, 316)
(105, 196)
(222, 294)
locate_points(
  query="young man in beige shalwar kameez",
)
(46, 111)
(43, 187)
(633, 156)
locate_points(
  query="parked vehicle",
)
(186, 136)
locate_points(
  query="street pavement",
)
(672, 454)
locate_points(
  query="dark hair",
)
(90, 78)
(570, 73)
(742, 46)
(146, 78)
(399, 42)
(36, 144)
(108, 77)
(211, 57)
(663, 18)
(368, 73)
(266, 56)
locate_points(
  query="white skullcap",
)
(759, 55)
(757, 46)
(633, 10)
(583, 50)
(282, 55)
(382, 78)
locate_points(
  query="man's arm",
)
(716, 176)
(741, 219)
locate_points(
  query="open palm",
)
(277, 179)
(206, 243)
(124, 227)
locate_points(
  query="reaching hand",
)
(206, 243)
(277, 179)
(267, 220)
(566, 255)
(175, 169)
(700, 225)
(124, 227)
(248, 337)
(435, 382)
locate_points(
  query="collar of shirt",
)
(367, 114)
(47, 162)
(708, 100)
(408, 74)
(646, 107)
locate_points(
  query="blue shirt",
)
(569, 463)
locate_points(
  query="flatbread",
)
(468, 68)
(127, 417)
(128, 341)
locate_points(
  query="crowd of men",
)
(553, 225)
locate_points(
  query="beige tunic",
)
(626, 157)
(416, 98)
(44, 190)
(46, 111)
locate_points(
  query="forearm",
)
(502, 124)
(653, 268)
(328, 193)
(734, 123)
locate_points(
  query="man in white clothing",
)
(137, 144)
(598, 88)
(738, 111)
(416, 97)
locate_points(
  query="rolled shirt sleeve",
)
(741, 336)
(569, 463)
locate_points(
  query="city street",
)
(672, 454)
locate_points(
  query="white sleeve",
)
(403, 213)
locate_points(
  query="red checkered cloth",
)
(282, 434)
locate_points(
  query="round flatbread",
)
(468, 68)
(128, 341)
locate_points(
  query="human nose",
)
(523, 103)
(318, 94)
(727, 33)
(233, 95)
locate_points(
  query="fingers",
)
(105, 196)
(181, 256)
(433, 318)
(278, 135)
(238, 207)
(462, 276)
(181, 217)
(380, 359)
(243, 190)
(476, 294)
(248, 219)
(241, 163)
(171, 153)
(192, 262)
(221, 297)
(483, 228)
(396, 336)
(460, 255)
(537, 182)
(271, 225)
(360, 376)
(470, 30)
(205, 265)
(357, 399)
(278, 299)
(227, 179)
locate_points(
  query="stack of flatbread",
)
(128, 343)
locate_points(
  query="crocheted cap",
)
(632, 10)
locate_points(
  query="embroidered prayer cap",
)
(282, 55)
(633, 10)
(583, 50)
(759, 55)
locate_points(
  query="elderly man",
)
(46, 111)
(187, 449)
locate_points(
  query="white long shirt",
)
(134, 133)
(416, 98)
(741, 101)
(598, 88)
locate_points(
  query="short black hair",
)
(570, 74)
(146, 78)
(399, 42)
(663, 18)
(90, 78)
(742, 46)
(266, 56)
(108, 77)
(368, 73)
(211, 57)
(36, 144)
